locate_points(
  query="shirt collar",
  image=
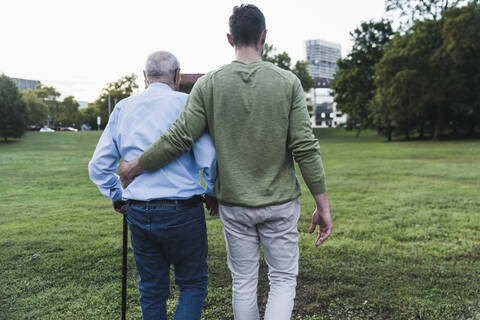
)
(160, 85)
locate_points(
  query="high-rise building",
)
(322, 59)
(25, 84)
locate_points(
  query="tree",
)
(422, 81)
(69, 114)
(59, 113)
(283, 60)
(412, 10)
(186, 87)
(353, 85)
(267, 54)
(411, 82)
(89, 115)
(118, 90)
(49, 96)
(13, 110)
(419, 76)
(300, 70)
(461, 46)
(428, 78)
(37, 109)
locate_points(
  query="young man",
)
(258, 119)
(164, 207)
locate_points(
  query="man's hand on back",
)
(211, 203)
(321, 217)
(128, 171)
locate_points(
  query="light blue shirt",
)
(135, 123)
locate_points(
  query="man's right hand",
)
(128, 171)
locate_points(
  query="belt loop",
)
(176, 205)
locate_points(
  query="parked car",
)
(46, 129)
(33, 127)
(68, 129)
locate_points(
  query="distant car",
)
(33, 128)
(68, 129)
(45, 129)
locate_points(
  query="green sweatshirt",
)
(258, 120)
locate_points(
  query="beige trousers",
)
(274, 227)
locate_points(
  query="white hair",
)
(161, 64)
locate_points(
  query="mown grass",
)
(405, 245)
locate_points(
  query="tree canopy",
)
(186, 87)
(283, 60)
(50, 96)
(427, 81)
(410, 11)
(117, 90)
(45, 106)
(420, 81)
(13, 110)
(37, 108)
(353, 86)
(69, 116)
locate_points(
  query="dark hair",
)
(246, 24)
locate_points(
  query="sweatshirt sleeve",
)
(180, 137)
(303, 144)
(206, 159)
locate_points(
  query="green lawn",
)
(405, 244)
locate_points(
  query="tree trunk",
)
(389, 133)
(5, 135)
(407, 132)
(438, 133)
(471, 128)
(421, 130)
(455, 129)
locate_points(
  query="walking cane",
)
(124, 268)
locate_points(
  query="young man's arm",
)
(190, 125)
(103, 165)
(306, 152)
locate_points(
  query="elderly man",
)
(257, 116)
(164, 207)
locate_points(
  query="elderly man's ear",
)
(145, 79)
(177, 79)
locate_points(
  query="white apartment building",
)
(321, 60)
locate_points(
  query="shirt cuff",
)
(209, 191)
(116, 194)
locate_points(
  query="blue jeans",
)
(165, 235)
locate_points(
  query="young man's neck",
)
(247, 54)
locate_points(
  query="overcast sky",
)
(78, 46)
